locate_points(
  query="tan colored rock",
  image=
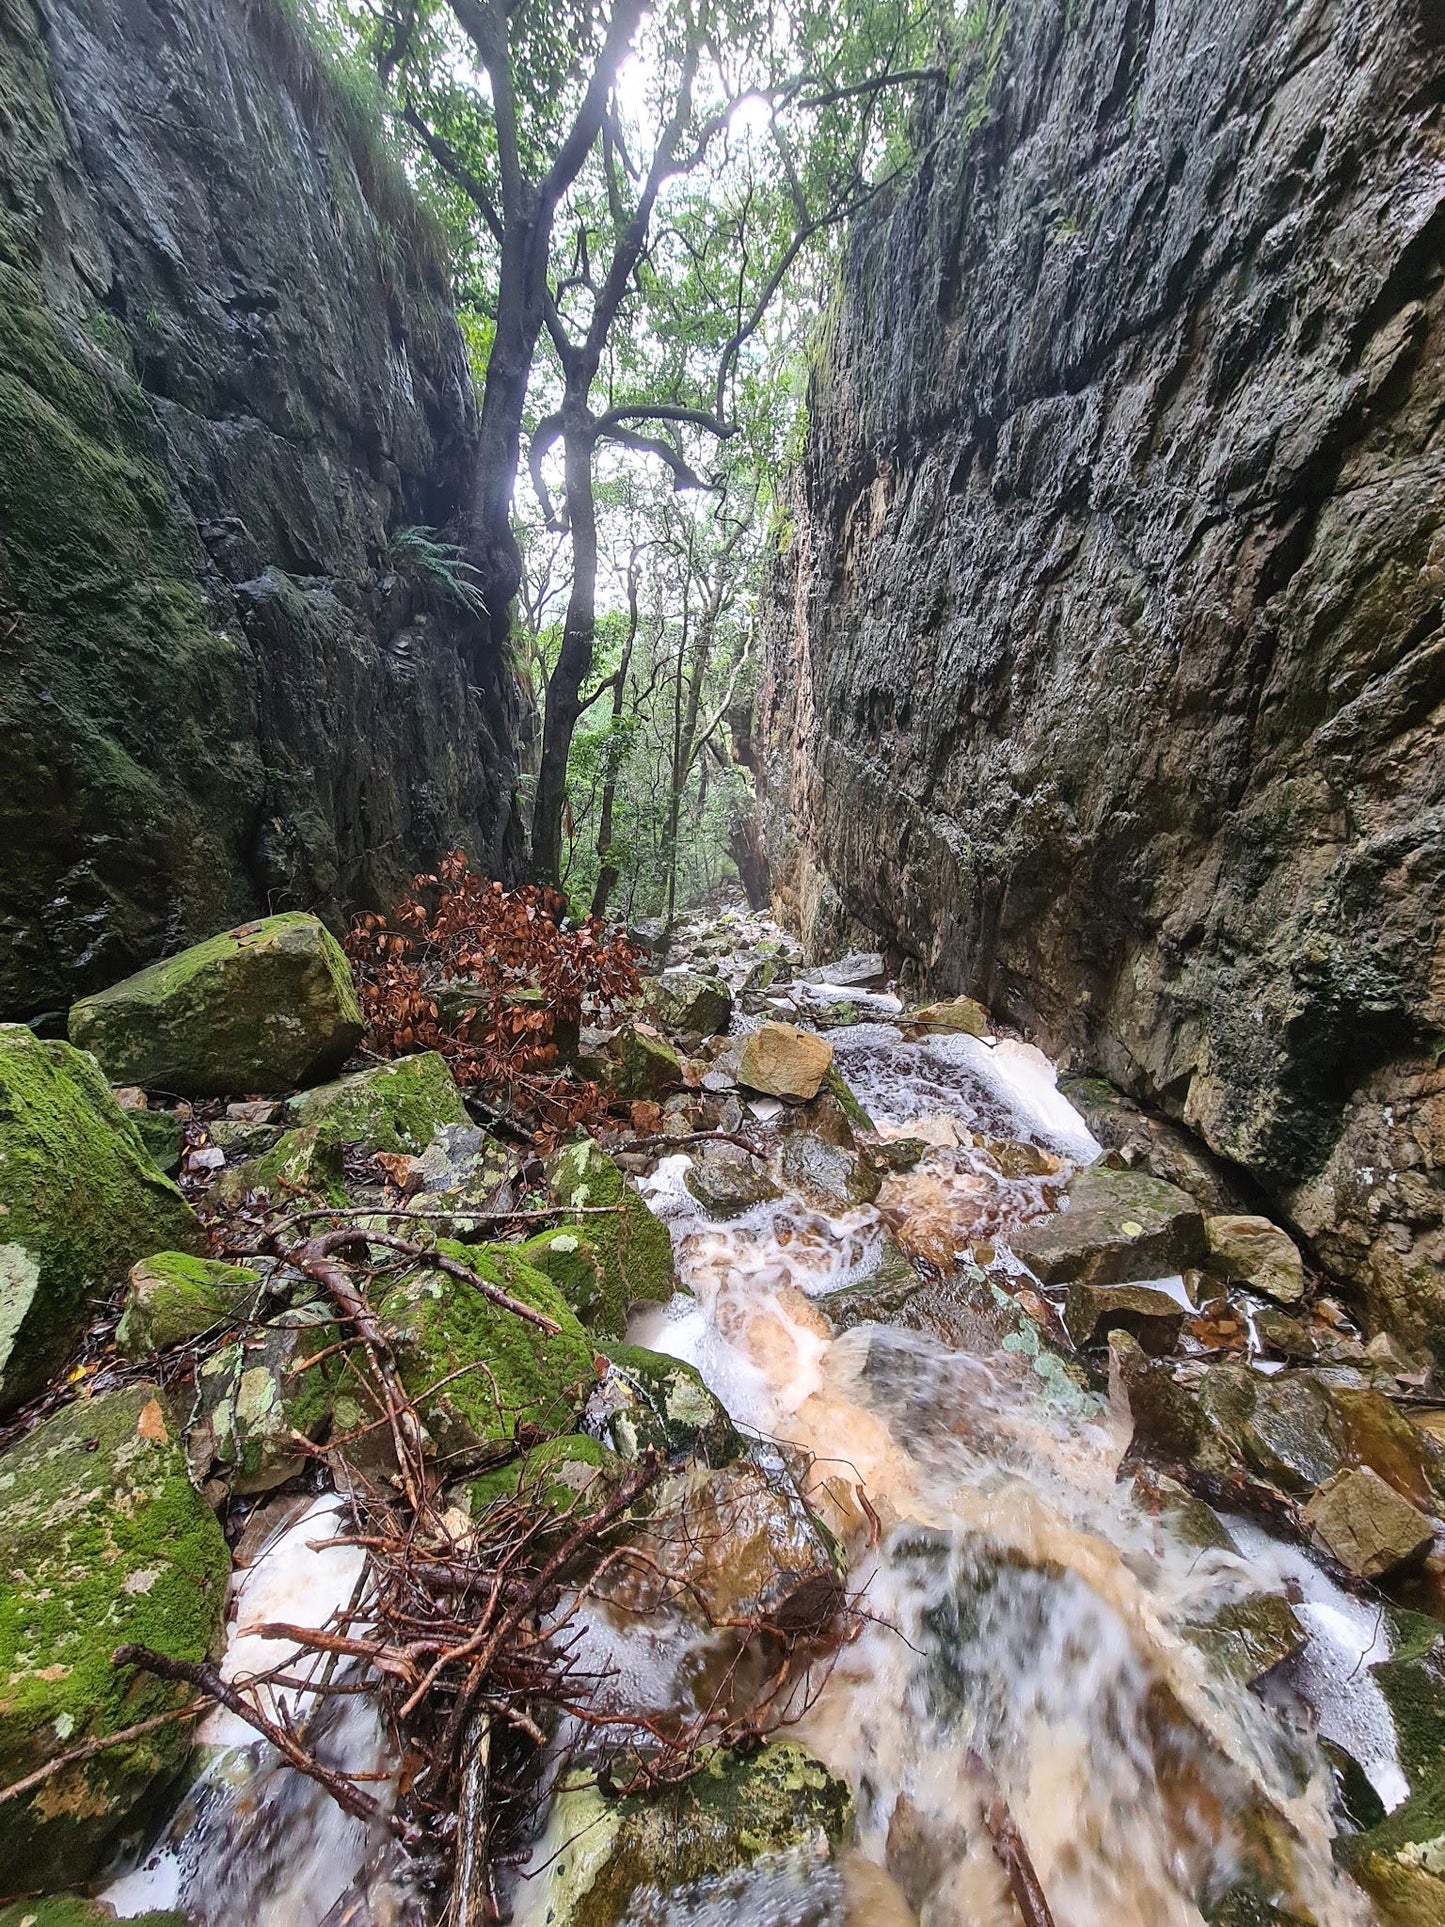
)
(1252, 1251)
(782, 1061)
(1365, 1525)
(957, 1015)
(1091, 1312)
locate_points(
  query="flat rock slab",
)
(268, 1006)
(782, 1061)
(1091, 1312)
(1252, 1251)
(1366, 1526)
(1114, 1227)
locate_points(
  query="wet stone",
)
(1286, 1337)
(831, 1176)
(1113, 1227)
(782, 1061)
(1252, 1251)
(688, 1000)
(1285, 1428)
(958, 1016)
(1091, 1312)
(726, 1180)
(649, 1401)
(1250, 1637)
(1366, 1526)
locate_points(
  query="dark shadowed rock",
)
(1091, 1312)
(1103, 663)
(725, 1179)
(687, 1000)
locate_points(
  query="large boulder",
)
(726, 1180)
(103, 1542)
(1366, 1526)
(632, 1247)
(1113, 1227)
(267, 1006)
(833, 1177)
(80, 1202)
(782, 1061)
(398, 1106)
(597, 1853)
(641, 1064)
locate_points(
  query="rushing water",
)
(1025, 1620)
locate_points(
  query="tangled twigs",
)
(207, 1679)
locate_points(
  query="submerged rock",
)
(174, 1296)
(397, 1106)
(80, 1201)
(687, 1000)
(727, 1180)
(1252, 1251)
(782, 1061)
(632, 1246)
(1366, 1526)
(1155, 1319)
(267, 1006)
(1113, 1227)
(103, 1541)
(598, 1854)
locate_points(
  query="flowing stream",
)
(1026, 1620)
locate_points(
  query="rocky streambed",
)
(1033, 1535)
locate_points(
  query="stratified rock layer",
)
(1105, 659)
(230, 377)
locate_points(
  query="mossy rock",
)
(103, 1541)
(307, 1160)
(520, 1375)
(571, 1475)
(598, 1852)
(388, 1107)
(837, 1085)
(641, 1064)
(633, 1246)
(266, 1006)
(74, 1910)
(175, 1296)
(650, 1401)
(688, 1000)
(253, 1398)
(164, 1136)
(1114, 1227)
(80, 1201)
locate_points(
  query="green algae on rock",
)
(648, 1400)
(597, 1853)
(74, 1910)
(1112, 1228)
(477, 1370)
(174, 1296)
(307, 1159)
(570, 1475)
(266, 1006)
(689, 1000)
(80, 1201)
(633, 1246)
(642, 1064)
(397, 1106)
(103, 1541)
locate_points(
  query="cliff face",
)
(1105, 660)
(228, 371)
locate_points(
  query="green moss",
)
(571, 1474)
(103, 1540)
(511, 1373)
(389, 1107)
(80, 1202)
(837, 1083)
(164, 1136)
(734, 1812)
(174, 1296)
(642, 1065)
(307, 1160)
(632, 1246)
(662, 1402)
(264, 1006)
(74, 1910)
(253, 1398)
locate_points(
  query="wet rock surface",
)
(1103, 664)
(1113, 1226)
(782, 1061)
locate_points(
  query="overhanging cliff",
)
(229, 375)
(1105, 663)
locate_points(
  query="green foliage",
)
(436, 566)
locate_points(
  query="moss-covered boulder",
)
(258, 1395)
(305, 1161)
(80, 1201)
(164, 1136)
(175, 1296)
(598, 1853)
(648, 1401)
(633, 1246)
(570, 1475)
(103, 1541)
(387, 1107)
(478, 1370)
(74, 1910)
(267, 1006)
(642, 1064)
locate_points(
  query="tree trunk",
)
(574, 661)
(607, 870)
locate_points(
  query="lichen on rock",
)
(633, 1247)
(174, 1296)
(397, 1106)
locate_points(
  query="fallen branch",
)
(89, 1748)
(1008, 1844)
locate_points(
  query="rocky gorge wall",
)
(1104, 659)
(229, 374)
